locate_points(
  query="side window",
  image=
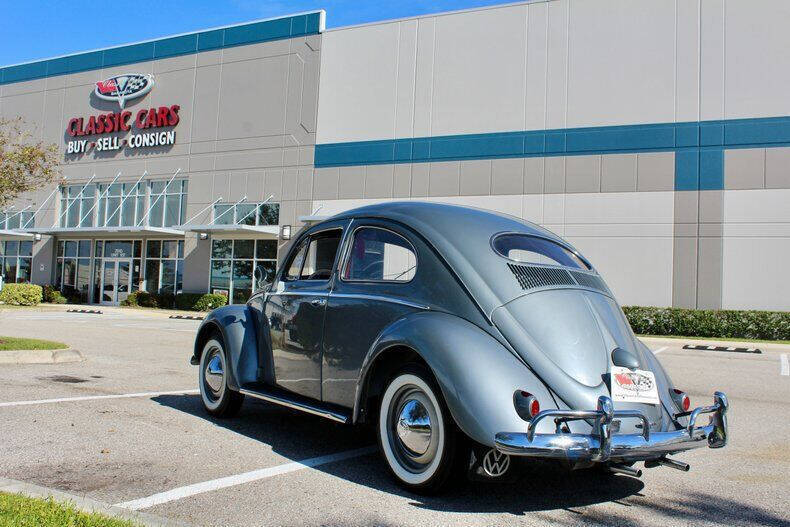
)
(295, 266)
(380, 255)
(321, 255)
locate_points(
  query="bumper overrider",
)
(602, 446)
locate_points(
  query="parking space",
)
(159, 452)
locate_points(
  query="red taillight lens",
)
(534, 407)
(682, 399)
(527, 405)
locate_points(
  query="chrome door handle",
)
(318, 302)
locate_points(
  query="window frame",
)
(574, 252)
(347, 257)
(308, 238)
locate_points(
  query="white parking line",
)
(238, 479)
(785, 367)
(659, 350)
(97, 397)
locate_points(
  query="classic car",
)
(464, 337)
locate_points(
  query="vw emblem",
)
(495, 463)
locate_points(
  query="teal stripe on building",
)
(239, 35)
(698, 146)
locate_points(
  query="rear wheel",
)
(218, 399)
(417, 436)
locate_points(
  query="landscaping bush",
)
(200, 301)
(21, 294)
(185, 301)
(51, 295)
(763, 325)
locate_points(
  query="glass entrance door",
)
(116, 281)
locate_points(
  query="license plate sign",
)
(634, 386)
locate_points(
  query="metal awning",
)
(110, 232)
(270, 232)
(12, 235)
(313, 218)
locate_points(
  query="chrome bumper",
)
(602, 445)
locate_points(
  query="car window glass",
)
(295, 266)
(380, 255)
(530, 249)
(321, 255)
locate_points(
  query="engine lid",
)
(568, 337)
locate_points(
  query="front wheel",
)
(218, 399)
(417, 435)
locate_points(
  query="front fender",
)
(477, 375)
(236, 323)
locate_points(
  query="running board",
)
(290, 402)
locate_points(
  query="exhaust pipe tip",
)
(625, 470)
(667, 462)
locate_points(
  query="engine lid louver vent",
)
(532, 277)
(589, 280)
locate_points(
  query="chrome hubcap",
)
(412, 435)
(214, 373)
(414, 427)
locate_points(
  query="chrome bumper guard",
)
(602, 445)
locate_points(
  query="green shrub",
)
(185, 301)
(51, 295)
(142, 299)
(200, 301)
(21, 294)
(763, 325)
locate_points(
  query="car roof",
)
(462, 235)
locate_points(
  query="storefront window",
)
(15, 261)
(168, 203)
(17, 220)
(164, 266)
(233, 263)
(76, 205)
(247, 214)
(122, 205)
(73, 269)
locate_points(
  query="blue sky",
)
(37, 29)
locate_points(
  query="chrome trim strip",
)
(304, 407)
(379, 299)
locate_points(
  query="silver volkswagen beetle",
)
(463, 336)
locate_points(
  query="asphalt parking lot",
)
(125, 427)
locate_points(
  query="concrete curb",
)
(86, 504)
(40, 356)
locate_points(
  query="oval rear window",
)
(530, 249)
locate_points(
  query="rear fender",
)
(236, 324)
(477, 375)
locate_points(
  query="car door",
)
(297, 303)
(375, 286)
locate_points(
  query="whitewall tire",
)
(218, 399)
(417, 435)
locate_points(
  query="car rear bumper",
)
(603, 446)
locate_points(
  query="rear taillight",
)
(527, 405)
(681, 399)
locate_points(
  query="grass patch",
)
(21, 511)
(717, 339)
(16, 343)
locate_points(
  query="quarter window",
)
(380, 255)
